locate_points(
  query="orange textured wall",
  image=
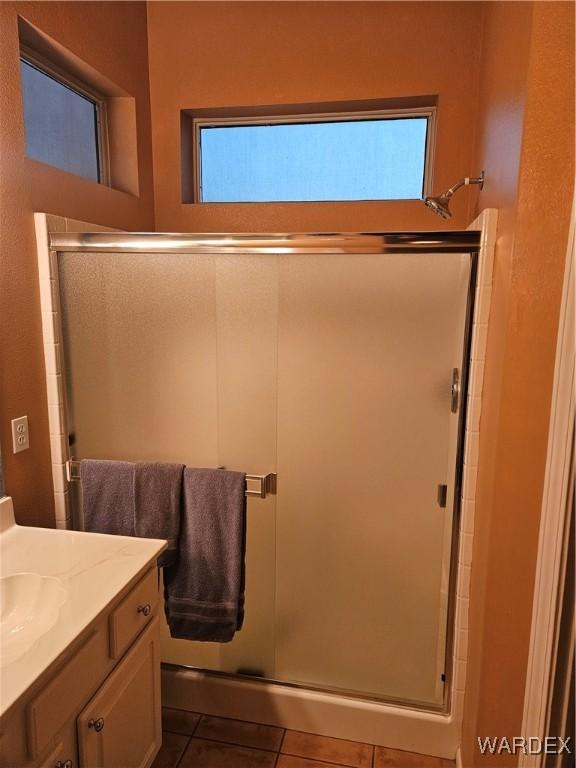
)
(242, 54)
(526, 145)
(112, 37)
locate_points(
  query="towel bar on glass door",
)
(256, 485)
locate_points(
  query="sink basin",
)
(29, 606)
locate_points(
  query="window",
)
(327, 157)
(62, 122)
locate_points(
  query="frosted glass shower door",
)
(172, 357)
(366, 349)
(333, 370)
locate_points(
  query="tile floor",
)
(192, 740)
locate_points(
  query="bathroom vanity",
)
(79, 657)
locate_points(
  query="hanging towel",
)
(108, 496)
(157, 497)
(128, 499)
(204, 590)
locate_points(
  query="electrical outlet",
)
(20, 434)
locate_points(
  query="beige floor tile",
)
(340, 751)
(396, 758)
(239, 732)
(212, 754)
(173, 745)
(179, 721)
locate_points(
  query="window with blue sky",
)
(364, 159)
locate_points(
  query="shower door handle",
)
(455, 390)
(442, 495)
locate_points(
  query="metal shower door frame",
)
(466, 242)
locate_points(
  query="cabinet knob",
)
(64, 764)
(145, 609)
(96, 724)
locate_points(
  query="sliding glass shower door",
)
(334, 371)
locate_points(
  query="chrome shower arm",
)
(465, 182)
(441, 204)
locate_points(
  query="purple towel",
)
(204, 590)
(133, 500)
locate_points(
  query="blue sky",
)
(348, 160)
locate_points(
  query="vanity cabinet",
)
(98, 706)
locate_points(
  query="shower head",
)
(441, 204)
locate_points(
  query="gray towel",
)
(133, 500)
(108, 496)
(157, 499)
(204, 591)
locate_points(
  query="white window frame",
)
(429, 113)
(51, 70)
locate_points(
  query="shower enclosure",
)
(337, 362)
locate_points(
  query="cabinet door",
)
(120, 726)
(64, 753)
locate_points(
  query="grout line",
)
(231, 719)
(233, 743)
(197, 724)
(328, 762)
(177, 733)
(321, 736)
(320, 761)
(177, 763)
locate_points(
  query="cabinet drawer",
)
(62, 696)
(120, 727)
(133, 614)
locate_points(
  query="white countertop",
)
(92, 567)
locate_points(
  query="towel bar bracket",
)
(256, 485)
(261, 485)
